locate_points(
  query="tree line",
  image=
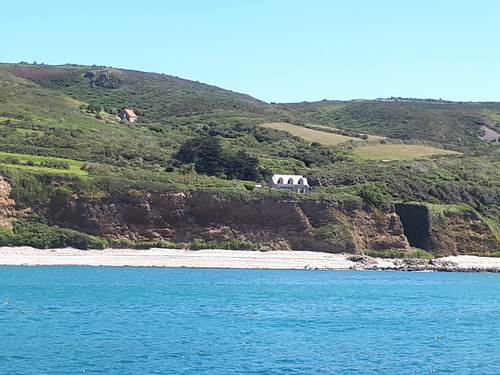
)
(206, 155)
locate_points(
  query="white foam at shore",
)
(155, 257)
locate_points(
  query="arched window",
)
(290, 181)
(280, 180)
(301, 181)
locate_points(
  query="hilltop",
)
(61, 137)
(153, 96)
(164, 99)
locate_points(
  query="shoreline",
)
(238, 259)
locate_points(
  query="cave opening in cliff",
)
(415, 220)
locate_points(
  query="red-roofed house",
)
(127, 114)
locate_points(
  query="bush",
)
(28, 188)
(56, 164)
(227, 245)
(334, 234)
(372, 194)
(29, 232)
(11, 160)
(127, 244)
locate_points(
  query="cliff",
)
(271, 223)
(7, 206)
(461, 232)
(447, 230)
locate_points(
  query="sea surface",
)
(119, 320)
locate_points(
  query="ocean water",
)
(105, 320)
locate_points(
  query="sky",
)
(274, 50)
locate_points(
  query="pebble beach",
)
(297, 260)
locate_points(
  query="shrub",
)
(234, 244)
(372, 194)
(127, 244)
(56, 164)
(334, 234)
(11, 160)
(30, 232)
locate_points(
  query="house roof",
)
(287, 177)
(129, 112)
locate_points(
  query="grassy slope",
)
(451, 124)
(74, 166)
(40, 121)
(153, 96)
(22, 100)
(398, 151)
(328, 139)
(370, 136)
(47, 121)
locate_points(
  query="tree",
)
(242, 166)
(205, 153)
(92, 107)
(208, 157)
(372, 194)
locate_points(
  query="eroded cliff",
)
(8, 211)
(182, 217)
(271, 223)
(447, 230)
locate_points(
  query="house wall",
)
(124, 116)
(295, 188)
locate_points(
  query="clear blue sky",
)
(274, 50)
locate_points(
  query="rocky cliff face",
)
(274, 224)
(462, 232)
(447, 230)
(271, 223)
(7, 205)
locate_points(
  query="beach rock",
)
(443, 265)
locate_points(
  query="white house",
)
(127, 114)
(290, 182)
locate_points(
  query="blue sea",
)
(107, 320)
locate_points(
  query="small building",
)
(294, 183)
(127, 114)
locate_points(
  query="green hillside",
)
(40, 121)
(449, 124)
(60, 135)
(63, 121)
(154, 97)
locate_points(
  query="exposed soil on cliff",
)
(7, 206)
(273, 224)
(270, 224)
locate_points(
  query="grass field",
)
(370, 137)
(398, 152)
(74, 165)
(327, 139)
(24, 131)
